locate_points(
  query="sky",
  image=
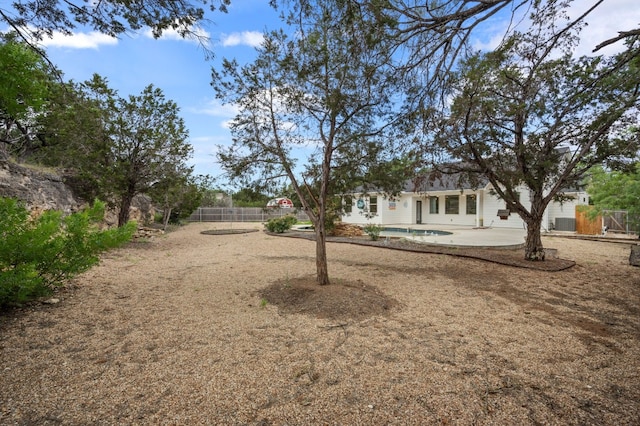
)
(180, 68)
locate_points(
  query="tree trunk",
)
(125, 206)
(166, 215)
(322, 271)
(533, 247)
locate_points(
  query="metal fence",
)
(242, 214)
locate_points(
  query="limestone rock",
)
(39, 190)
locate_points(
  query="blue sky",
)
(180, 69)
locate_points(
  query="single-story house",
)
(442, 201)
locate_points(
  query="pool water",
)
(403, 232)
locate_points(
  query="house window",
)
(471, 204)
(373, 204)
(348, 204)
(433, 205)
(451, 204)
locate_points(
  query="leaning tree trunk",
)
(533, 249)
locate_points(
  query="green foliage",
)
(281, 224)
(120, 147)
(616, 190)
(40, 254)
(25, 83)
(532, 115)
(330, 86)
(373, 231)
(35, 20)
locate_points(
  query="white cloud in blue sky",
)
(602, 23)
(197, 34)
(181, 70)
(90, 40)
(244, 38)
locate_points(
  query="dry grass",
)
(181, 331)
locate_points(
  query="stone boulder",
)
(39, 190)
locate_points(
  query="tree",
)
(179, 193)
(434, 34)
(116, 148)
(34, 20)
(148, 138)
(327, 90)
(26, 81)
(617, 190)
(530, 114)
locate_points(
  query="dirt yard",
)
(229, 329)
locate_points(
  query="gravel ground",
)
(229, 329)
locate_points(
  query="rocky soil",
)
(193, 328)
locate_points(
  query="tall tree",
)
(26, 81)
(118, 147)
(149, 137)
(325, 91)
(530, 114)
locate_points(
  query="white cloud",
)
(216, 109)
(247, 38)
(91, 40)
(197, 35)
(604, 23)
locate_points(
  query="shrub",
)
(281, 224)
(37, 255)
(373, 231)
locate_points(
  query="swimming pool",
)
(403, 232)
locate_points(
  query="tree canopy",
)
(323, 98)
(26, 82)
(35, 20)
(530, 114)
(115, 147)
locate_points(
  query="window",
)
(373, 204)
(471, 204)
(451, 204)
(348, 204)
(433, 205)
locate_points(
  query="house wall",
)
(443, 218)
(402, 210)
(565, 210)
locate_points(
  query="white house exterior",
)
(442, 202)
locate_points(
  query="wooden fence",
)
(242, 214)
(616, 221)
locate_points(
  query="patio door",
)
(419, 212)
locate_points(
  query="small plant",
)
(263, 303)
(281, 224)
(373, 231)
(38, 255)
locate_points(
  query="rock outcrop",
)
(42, 191)
(39, 190)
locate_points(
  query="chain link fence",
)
(242, 214)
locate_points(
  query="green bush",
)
(37, 255)
(281, 224)
(373, 231)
